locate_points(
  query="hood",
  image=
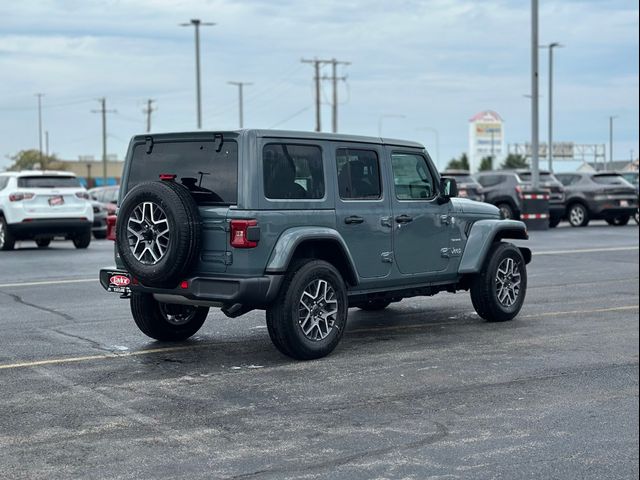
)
(464, 205)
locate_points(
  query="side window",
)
(358, 174)
(293, 171)
(412, 177)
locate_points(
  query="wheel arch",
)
(322, 243)
(485, 233)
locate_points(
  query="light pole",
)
(610, 141)
(551, 46)
(535, 172)
(437, 137)
(240, 86)
(197, 24)
(40, 95)
(386, 115)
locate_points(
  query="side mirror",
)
(448, 189)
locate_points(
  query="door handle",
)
(353, 219)
(404, 219)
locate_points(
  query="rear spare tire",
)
(158, 233)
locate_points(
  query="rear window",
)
(52, 181)
(210, 175)
(460, 177)
(609, 179)
(544, 177)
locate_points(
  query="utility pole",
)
(40, 95)
(551, 46)
(316, 66)
(240, 86)
(148, 110)
(535, 172)
(197, 24)
(46, 143)
(103, 110)
(610, 142)
(334, 81)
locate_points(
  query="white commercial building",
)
(486, 138)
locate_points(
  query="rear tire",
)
(498, 292)
(506, 211)
(166, 322)
(308, 317)
(554, 221)
(618, 220)
(43, 242)
(7, 240)
(82, 240)
(578, 215)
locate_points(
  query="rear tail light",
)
(244, 233)
(519, 191)
(111, 227)
(83, 195)
(19, 196)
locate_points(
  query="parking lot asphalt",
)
(424, 389)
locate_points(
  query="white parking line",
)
(586, 250)
(47, 282)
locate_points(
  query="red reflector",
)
(168, 176)
(111, 227)
(184, 284)
(239, 233)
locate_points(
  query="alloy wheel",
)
(508, 282)
(148, 233)
(576, 215)
(317, 310)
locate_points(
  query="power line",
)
(290, 117)
(103, 110)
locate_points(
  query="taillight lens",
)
(19, 196)
(83, 195)
(242, 234)
(111, 227)
(519, 191)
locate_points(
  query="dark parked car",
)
(468, 187)
(304, 226)
(602, 196)
(505, 188)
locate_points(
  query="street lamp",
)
(611, 141)
(551, 46)
(386, 115)
(197, 24)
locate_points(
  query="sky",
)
(416, 68)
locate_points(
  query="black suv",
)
(505, 189)
(599, 196)
(304, 226)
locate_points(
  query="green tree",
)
(514, 161)
(486, 164)
(30, 160)
(461, 163)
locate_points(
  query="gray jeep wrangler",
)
(304, 226)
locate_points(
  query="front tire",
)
(308, 317)
(578, 215)
(506, 211)
(7, 240)
(554, 221)
(498, 292)
(43, 242)
(166, 322)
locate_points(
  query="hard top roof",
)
(265, 133)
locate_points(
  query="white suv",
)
(38, 205)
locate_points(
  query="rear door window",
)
(489, 180)
(292, 171)
(48, 181)
(609, 179)
(358, 174)
(210, 175)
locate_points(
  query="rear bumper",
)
(608, 208)
(50, 227)
(227, 292)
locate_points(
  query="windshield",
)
(211, 176)
(51, 181)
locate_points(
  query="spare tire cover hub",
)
(148, 233)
